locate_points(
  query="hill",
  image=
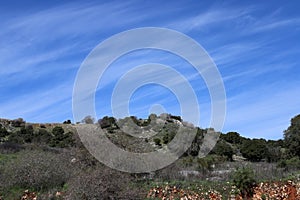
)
(51, 160)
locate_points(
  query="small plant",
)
(244, 180)
(263, 197)
(157, 141)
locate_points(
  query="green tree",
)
(196, 144)
(232, 137)
(60, 138)
(254, 150)
(42, 136)
(107, 122)
(18, 122)
(292, 137)
(3, 132)
(223, 149)
(67, 122)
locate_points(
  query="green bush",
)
(223, 149)
(157, 141)
(3, 132)
(206, 163)
(244, 180)
(18, 122)
(254, 150)
(292, 137)
(60, 138)
(290, 164)
(42, 136)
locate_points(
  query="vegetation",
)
(46, 158)
(245, 181)
(254, 150)
(292, 137)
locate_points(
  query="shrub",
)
(88, 120)
(223, 149)
(3, 132)
(206, 163)
(157, 141)
(176, 117)
(8, 147)
(38, 170)
(60, 138)
(196, 144)
(254, 150)
(232, 137)
(42, 136)
(67, 122)
(18, 122)
(101, 183)
(290, 164)
(107, 122)
(244, 180)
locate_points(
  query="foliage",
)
(88, 120)
(292, 137)
(42, 136)
(152, 117)
(244, 180)
(274, 154)
(35, 169)
(223, 149)
(195, 146)
(176, 117)
(60, 138)
(18, 122)
(102, 183)
(3, 132)
(254, 150)
(24, 135)
(67, 122)
(290, 164)
(206, 163)
(232, 137)
(106, 122)
(157, 141)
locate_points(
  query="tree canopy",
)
(292, 137)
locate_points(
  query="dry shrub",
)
(36, 169)
(102, 183)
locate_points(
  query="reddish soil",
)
(266, 190)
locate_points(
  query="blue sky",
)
(254, 44)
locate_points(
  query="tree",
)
(254, 150)
(42, 136)
(107, 122)
(196, 144)
(223, 149)
(3, 131)
(18, 122)
(88, 120)
(232, 137)
(292, 137)
(67, 122)
(60, 138)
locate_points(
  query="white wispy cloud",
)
(266, 105)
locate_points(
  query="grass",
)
(7, 157)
